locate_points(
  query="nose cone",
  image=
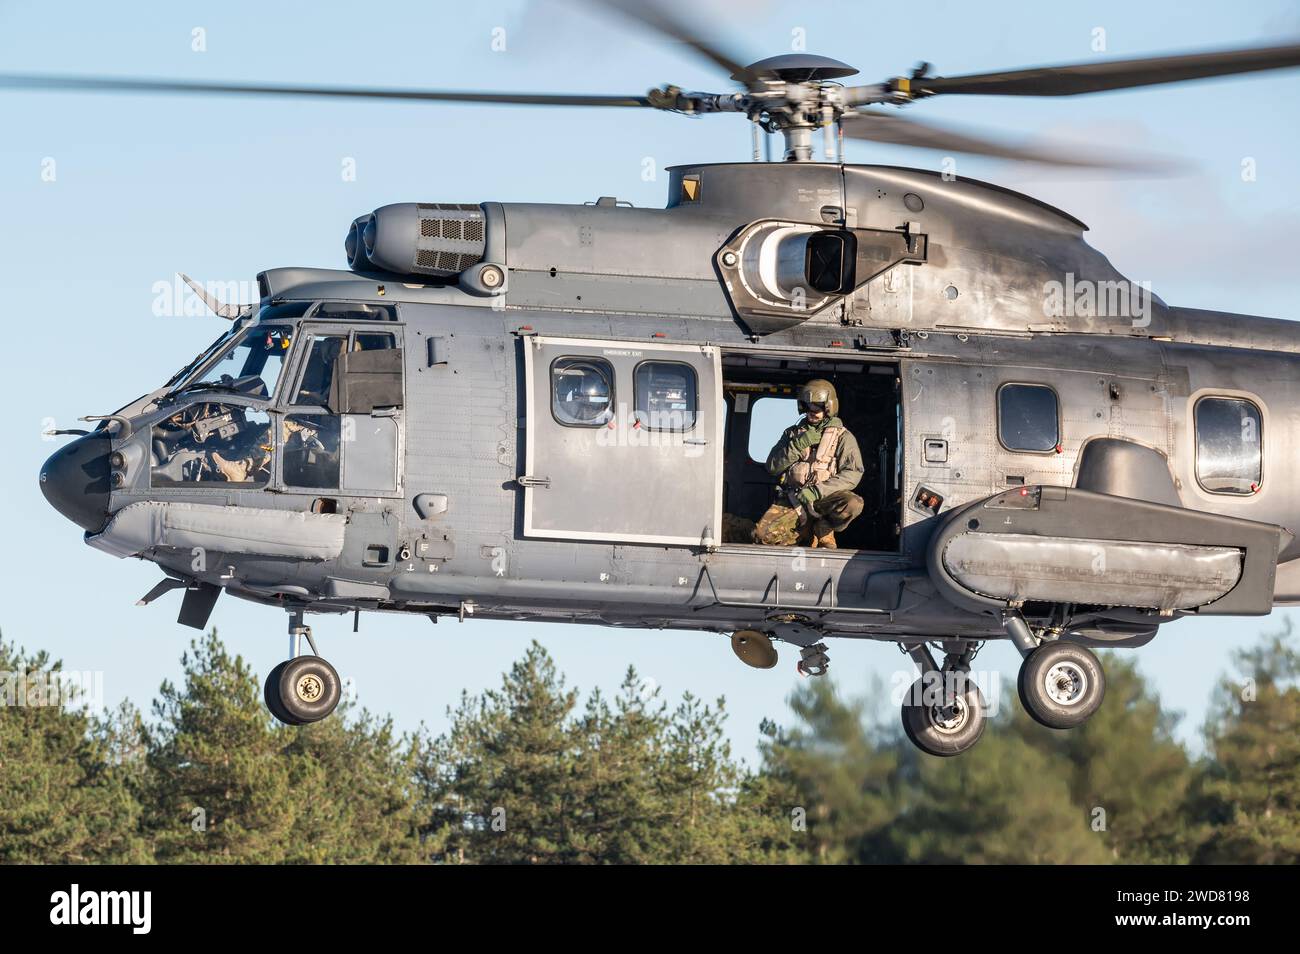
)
(75, 481)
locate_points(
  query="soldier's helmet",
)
(819, 393)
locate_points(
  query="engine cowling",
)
(417, 239)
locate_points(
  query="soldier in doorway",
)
(818, 465)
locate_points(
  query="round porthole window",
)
(582, 391)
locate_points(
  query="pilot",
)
(254, 464)
(249, 460)
(818, 465)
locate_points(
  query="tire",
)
(271, 694)
(1061, 684)
(309, 688)
(925, 725)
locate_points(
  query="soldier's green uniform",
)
(817, 466)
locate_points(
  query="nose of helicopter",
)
(75, 481)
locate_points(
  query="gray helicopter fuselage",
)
(470, 496)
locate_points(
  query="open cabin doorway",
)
(759, 397)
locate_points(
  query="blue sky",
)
(145, 186)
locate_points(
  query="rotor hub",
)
(796, 68)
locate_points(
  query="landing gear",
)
(1060, 684)
(271, 694)
(303, 688)
(944, 711)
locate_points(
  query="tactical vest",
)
(818, 464)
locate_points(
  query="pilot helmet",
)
(819, 393)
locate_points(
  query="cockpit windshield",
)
(244, 361)
(204, 355)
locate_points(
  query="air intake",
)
(424, 239)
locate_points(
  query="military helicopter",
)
(1064, 476)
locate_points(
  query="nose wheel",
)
(304, 688)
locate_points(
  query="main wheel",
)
(309, 688)
(934, 726)
(271, 693)
(1061, 684)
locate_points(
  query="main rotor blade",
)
(1113, 74)
(137, 85)
(657, 16)
(901, 131)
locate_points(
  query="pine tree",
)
(830, 782)
(64, 795)
(225, 783)
(619, 810)
(522, 777)
(1125, 769)
(1003, 802)
(709, 819)
(1248, 798)
(497, 782)
(220, 792)
(355, 792)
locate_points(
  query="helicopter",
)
(1051, 454)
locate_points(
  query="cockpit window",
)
(250, 365)
(209, 442)
(275, 315)
(204, 356)
(363, 341)
(314, 387)
(311, 450)
(318, 376)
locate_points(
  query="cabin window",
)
(666, 398)
(768, 419)
(210, 443)
(582, 391)
(1229, 442)
(311, 450)
(1028, 418)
